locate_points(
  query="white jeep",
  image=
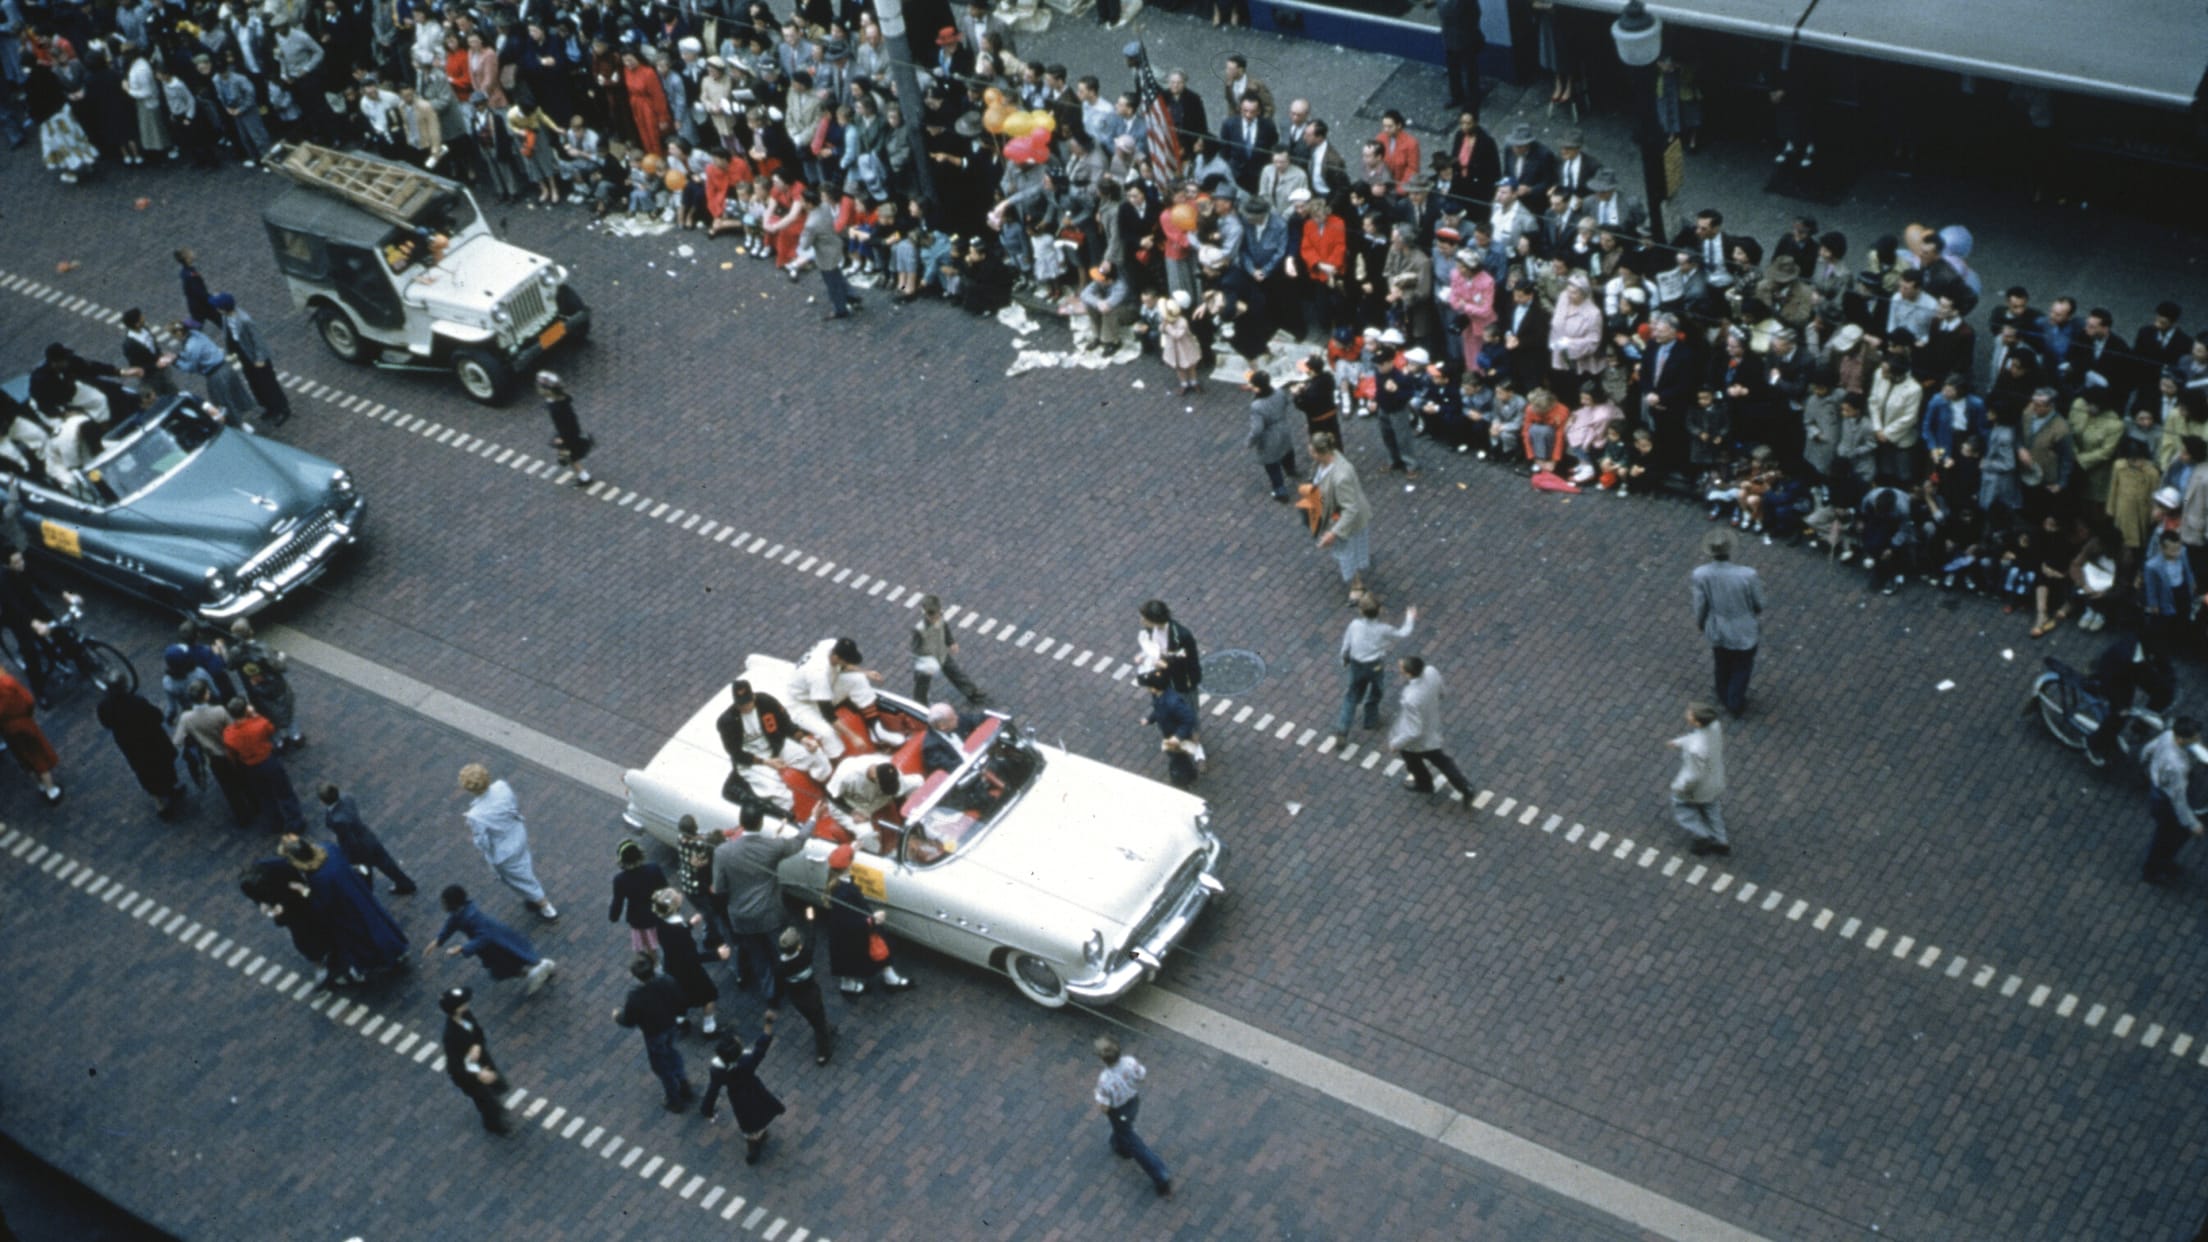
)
(398, 270)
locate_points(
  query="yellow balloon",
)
(1019, 124)
(1044, 121)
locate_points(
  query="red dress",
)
(26, 741)
(648, 105)
(785, 238)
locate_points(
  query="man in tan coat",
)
(1343, 514)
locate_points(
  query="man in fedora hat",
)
(1574, 167)
(1527, 164)
(1611, 209)
(468, 1062)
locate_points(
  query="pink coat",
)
(1575, 336)
(1472, 295)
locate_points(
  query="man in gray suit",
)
(827, 244)
(1416, 733)
(747, 882)
(1728, 605)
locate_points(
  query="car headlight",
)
(1093, 948)
(341, 482)
(218, 581)
(500, 317)
(549, 276)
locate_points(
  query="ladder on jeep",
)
(392, 191)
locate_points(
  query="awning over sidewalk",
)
(2139, 51)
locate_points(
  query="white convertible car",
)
(1072, 877)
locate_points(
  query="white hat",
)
(1391, 336)
(1298, 197)
(689, 44)
(1417, 356)
(1845, 339)
(1182, 299)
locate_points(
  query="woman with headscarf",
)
(139, 733)
(364, 939)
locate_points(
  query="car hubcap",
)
(340, 336)
(475, 380)
(1036, 975)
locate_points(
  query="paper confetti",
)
(1944, 686)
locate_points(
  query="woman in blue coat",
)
(364, 938)
(506, 953)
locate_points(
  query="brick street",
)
(1798, 1073)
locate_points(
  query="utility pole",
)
(891, 14)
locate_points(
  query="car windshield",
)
(147, 450)
(971, 799)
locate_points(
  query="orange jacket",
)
(1324, 242)
(252, 739)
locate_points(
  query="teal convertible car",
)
(189, 512)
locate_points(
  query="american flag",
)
(1162, 146)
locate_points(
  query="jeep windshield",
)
(450, 214)
(143, 452)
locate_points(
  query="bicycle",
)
(71, 654)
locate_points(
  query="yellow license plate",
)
(553, 335)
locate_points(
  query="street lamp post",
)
(1640, 39)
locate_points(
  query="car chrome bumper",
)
(1133, 970)
(266, 589)
(526, 355)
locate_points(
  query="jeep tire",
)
(569, 304)
(336, 329)
(483, 375)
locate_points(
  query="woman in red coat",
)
(647, 103)
(1323, 254)
(26, 741)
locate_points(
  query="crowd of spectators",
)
(1495, 297)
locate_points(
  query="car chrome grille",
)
(277, 560)
(527, 308)
(1176, 889)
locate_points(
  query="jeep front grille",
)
(528, 310)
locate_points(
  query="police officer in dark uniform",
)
(468, 1061)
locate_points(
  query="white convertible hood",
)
(1096, 838)
(475, 276)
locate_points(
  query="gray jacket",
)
(1269, 427)
(297, 54)
(1418, 714)
(820, 233)
(1728, 600)
(744, 874)
(1701, 777)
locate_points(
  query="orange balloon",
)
(1184, 214)
(992, 97)
(1020, 124)
(653, 163)
(993, 120)
(676, 179)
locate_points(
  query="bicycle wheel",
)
(104, 666)
(2058, 710)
